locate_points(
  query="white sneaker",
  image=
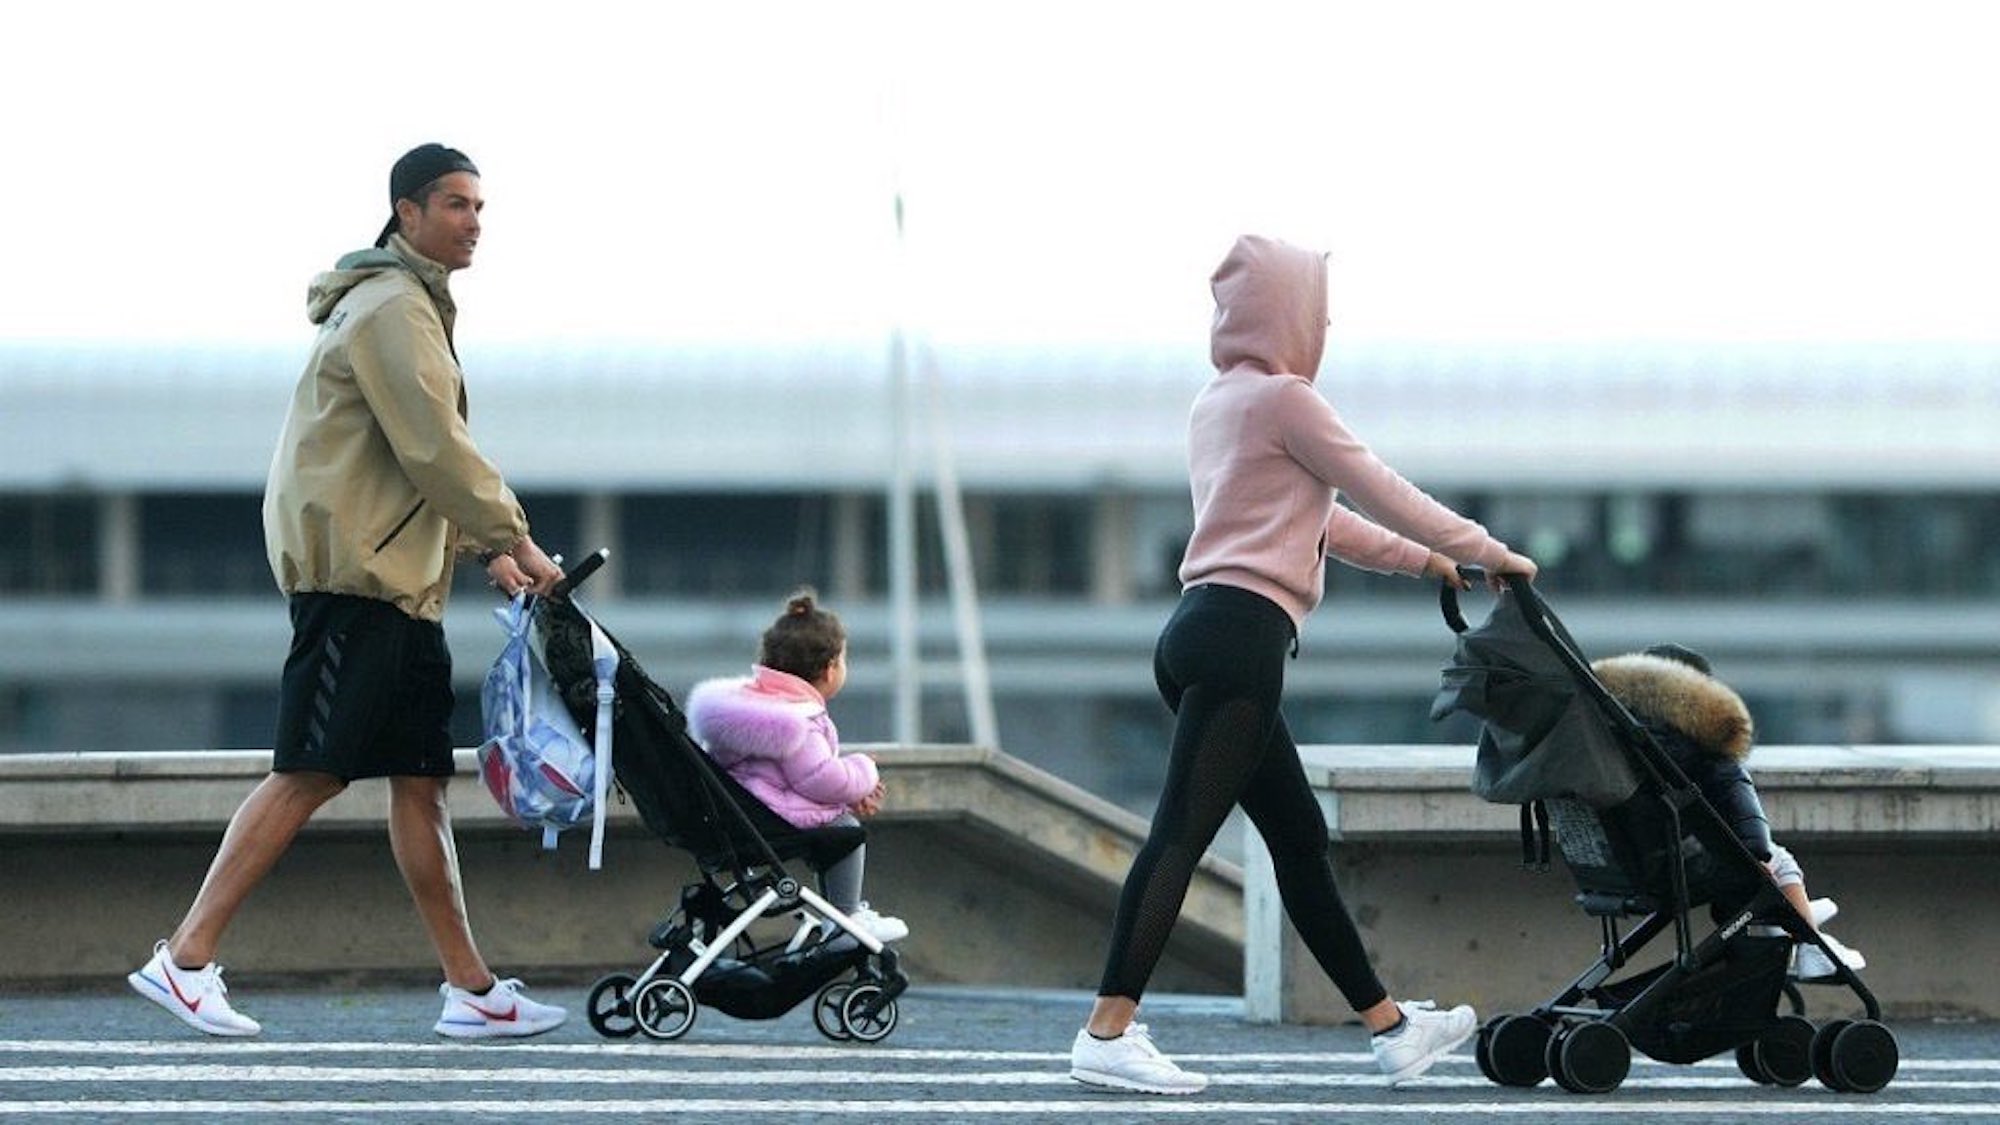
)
(197, 996)
(1130, 1062)
(1823, 910)
(1809, 962)
(1426, 1036)
(503, 1012)
(885, 927)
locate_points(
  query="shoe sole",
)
(1103, 1081)
(145, 986)
(1417, 1068)
(495, 1030)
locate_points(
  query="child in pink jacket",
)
(771, 732)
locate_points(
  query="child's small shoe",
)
(885, 927)
(1809, 962)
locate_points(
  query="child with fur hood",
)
(771, 732)
(1705, 727)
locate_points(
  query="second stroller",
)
(707, 952)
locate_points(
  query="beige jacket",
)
(376, 483)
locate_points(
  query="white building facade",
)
(1823, 522)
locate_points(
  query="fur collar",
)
(1701, 707)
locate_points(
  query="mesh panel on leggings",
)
(1203, 784)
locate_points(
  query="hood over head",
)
(1270, 308)
(1669, 690)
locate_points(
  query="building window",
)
(1035, 545)
(203, 544)
(50, 545)
(732, 545)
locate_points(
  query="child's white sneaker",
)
(886, 927)
(1426, 1036)
(501, 1012)
(1130, 1063)
(1809, 962)
(1823, 910)
(197, 996)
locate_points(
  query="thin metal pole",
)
(908, 702)
(958, 567)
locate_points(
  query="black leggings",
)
(1220, 666)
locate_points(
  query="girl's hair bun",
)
(801, 603)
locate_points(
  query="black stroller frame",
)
(706, 952)
(1656, 856)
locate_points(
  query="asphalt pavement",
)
(953, 1055)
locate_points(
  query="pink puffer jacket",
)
(772, 733)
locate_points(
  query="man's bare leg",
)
(427, 854)
(259, 832)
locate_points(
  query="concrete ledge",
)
(1008, 876)
(1904, 837)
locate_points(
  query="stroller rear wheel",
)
(868, 1013)
(665, 1008)
(1589, 1058)
(826, 1011)
(1854, 1056)
(610, 1006)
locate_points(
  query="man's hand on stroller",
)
(525, 567)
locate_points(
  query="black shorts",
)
(367, 692)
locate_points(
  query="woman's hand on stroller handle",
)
(1446, 570)
(1517, 568)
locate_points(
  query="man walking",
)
(375, 487)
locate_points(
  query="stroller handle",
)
(574, 578)
(1448, 594)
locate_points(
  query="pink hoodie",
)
(772, 733)
(1267, 453)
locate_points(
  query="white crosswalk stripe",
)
(80, 1079)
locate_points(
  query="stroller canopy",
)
(1542, 733)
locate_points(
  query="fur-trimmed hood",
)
(1699, 706)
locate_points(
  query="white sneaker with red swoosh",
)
(502, 1012)
(197, 996)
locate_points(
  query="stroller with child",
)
(1641, 843)
(707, 953)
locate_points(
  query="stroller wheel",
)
(1590, 1058)
(826, 1011)
(1750, 1065)
(1784, 1053)
(610, 1007)
(1482, 1048)
(868, 1013)
(1860, 1057)
(665, 1008)
(1517, 1051)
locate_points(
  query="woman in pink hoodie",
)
(771, 732)
(1267, 457)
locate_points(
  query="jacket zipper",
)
(398, 529)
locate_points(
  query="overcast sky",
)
(1593, 171)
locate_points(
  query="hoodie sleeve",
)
(402, 365)
(815, 772)
(1407, 523)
